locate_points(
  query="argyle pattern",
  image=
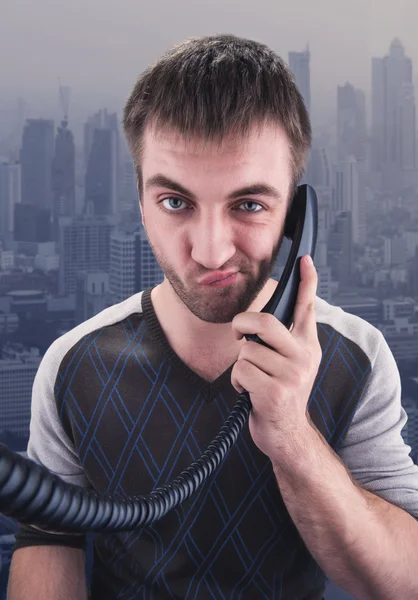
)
(138, 416)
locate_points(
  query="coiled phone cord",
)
(31, 494)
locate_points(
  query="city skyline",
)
(63, 101)
(71, 240)
(342, 37)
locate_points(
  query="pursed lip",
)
(218, 276)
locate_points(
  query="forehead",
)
(267, 144)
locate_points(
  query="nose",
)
(212, 240)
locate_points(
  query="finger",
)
(268, 361)
(246, 376)
(304, 316)
(269, 329)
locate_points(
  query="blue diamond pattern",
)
(136, 424)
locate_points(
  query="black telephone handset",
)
(301, 227)
(31, 494)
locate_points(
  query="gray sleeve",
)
(374, 450)
(48, 443)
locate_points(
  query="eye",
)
(253, 204)
(174, 201)
(173, 204)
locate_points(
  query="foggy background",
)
(98, 48)
(76, 63)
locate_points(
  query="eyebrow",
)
(255, 189)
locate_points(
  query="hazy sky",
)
(98, 47)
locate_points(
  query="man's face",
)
(200, 226)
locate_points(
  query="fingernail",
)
(308, 259)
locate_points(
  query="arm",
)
(48, 565)
(352, 509)
(48, 573)
(366, 545)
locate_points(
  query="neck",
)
(180, 322)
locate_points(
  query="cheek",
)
(258, 245)
(173, 245)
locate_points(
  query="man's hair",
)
(206, 88)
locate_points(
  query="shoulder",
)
(49, 443)
(357, 333)
(374, 365)
(105, 318)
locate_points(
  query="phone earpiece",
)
(292, 217)
(301, 227)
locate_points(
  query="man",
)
(320, 484)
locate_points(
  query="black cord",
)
(31, 494)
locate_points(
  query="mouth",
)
(217, 278)
(217, 281)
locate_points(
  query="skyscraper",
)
(339, 249)
(147, 270)
(122, 264)
(84, 246)
(63, 176)
(18, 367)
(129, 199)
(350, 195)
(406, 128)
(393, 114)
(351, 122)
(378, 125)
(299, 63)
(10, 194)
(320, 168)
(101, 151)
(36, 160)
(398, 73)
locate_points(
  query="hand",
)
(279, 380)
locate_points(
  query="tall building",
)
(411, 237)
(122, 265)
(351, 123)
(360, 215)
(324, 290)
(398, 73)
(395, 250)
(16, 121)
(84, 246)
(406, 128)
(350, 195)
(63, 176)
(319, 172)
(339, 249)
(413, 275)
(299, 63)
(148, 272)
(101, 151)
(326, 212)
(10, 194)
(393, 114)
(129, 198)
(36, 157)
(100, 193)
(18, 367)
(378, 114)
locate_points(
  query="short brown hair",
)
(212, 86)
